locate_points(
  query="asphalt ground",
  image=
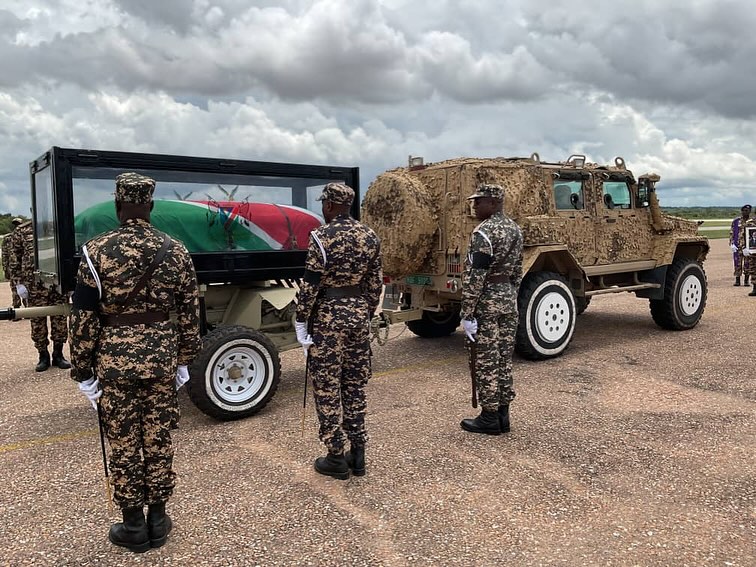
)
(636, 447)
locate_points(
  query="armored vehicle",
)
(246, 225)
(588, 229)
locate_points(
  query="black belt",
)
(128, 319)
(338, 292)
(502, 278)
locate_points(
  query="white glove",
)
(91, 389)
(182, 376)
(22, 292)
(746, 252)
(471, 328)
(733, 247)
(302, 335)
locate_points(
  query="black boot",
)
(44, 361)
(58, 359)
(504, 418)
(753, 291)
(159, 524)
(355, 458)
(333, 465)
(737, 281)
(487, 422)
(132, 533)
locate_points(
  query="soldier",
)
(338, 297)
(737, 244)
(490, 282)
(7, 251)
(123, 342)
(22, 269)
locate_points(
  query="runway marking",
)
(47, 440)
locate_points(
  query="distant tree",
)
(6, 222)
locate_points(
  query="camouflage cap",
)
(337, 193)
(488, 190)
(746, 207)
(17, 221)
(134, 188)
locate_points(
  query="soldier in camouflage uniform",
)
(490, 283)
(22, 269)
(338, 297)
(7, 251)
(123, 342)
(740, 260)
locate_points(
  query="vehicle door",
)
(575, 209)
(623, 227)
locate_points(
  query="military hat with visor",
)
(134, 188)
(337, 193)
(488, 190)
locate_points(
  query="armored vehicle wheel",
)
(235, 374)
(581, 304)
(547, 316)
(684, 296)
(432, 325)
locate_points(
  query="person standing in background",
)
(740, 261)
(7, 251)
(22, 270)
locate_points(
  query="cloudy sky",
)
(666, 84)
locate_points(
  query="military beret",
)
(337, 193)
(744, 207)
(134, 188)
(488, 190)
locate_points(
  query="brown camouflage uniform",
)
(135, 363)
(7, 251)
(343, 253)
(493, 305)
(22, 267)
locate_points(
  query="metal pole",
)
(104, 458)
(306, 379)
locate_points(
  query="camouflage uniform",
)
(22, 267)
(741, 263)
(7, 251)
(343, 258)
(495, 253)
(135, 362)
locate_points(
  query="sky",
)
(669, 85)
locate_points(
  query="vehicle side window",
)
(616, 195)
(568, 195)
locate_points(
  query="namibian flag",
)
(214, 226)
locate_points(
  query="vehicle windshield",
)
(207, 211)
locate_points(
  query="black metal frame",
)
(212, 267)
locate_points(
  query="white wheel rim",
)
(691, 294)
(552, 317)
(238, 373)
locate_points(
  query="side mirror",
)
(574, 200)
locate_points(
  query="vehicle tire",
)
(581, 304)
(547, 316)
(685, 294)
(235, 374)
(433, 325)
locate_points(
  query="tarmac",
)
(636, 447)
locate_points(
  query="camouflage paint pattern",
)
(494, 305)
(22, 267)
(136, 364)
(343, 252)
(742, 264)
(594, 235)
